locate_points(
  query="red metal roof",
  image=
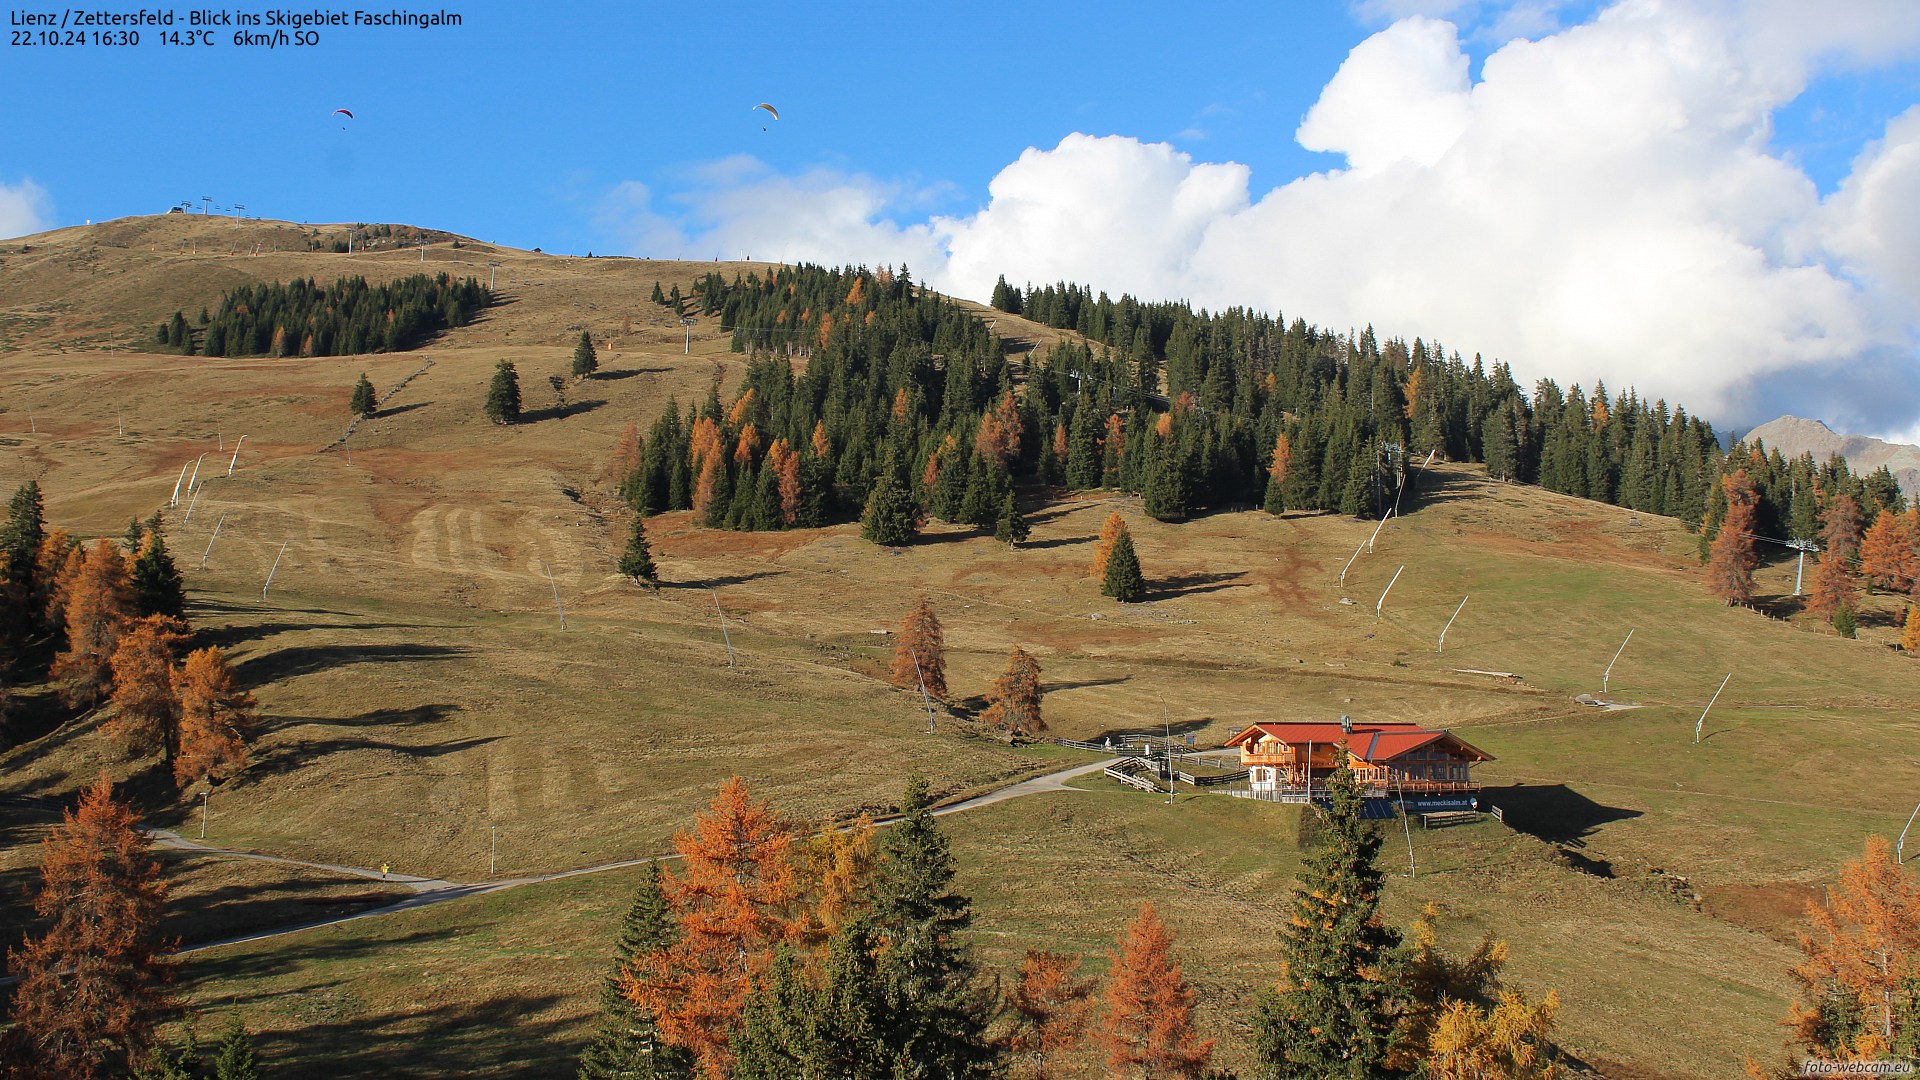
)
(1368, 742)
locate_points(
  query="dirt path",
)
(434, 890)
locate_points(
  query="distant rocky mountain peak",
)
(1795, 435)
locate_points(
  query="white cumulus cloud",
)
(24, 209)
(1603, 202)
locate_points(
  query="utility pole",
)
(1166, 749)
(203, 812)
(1413, 868)
(493, 845)
(491, 267)
(686, 325)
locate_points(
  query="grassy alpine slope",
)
(423, 703)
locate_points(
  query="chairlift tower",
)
(1800, 564)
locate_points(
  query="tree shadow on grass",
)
(384, 412)
(1167, 588)
(287, 756)
(612, 374)
(227, 637)
(498, 1037)
(308, 659)
(1177, 727)
(1064, 541)
(722, 581)
(1559, 815)
(560, 412)
(417, 716)
(228, 911)
(1051, 688)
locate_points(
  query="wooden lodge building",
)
(1422, 767)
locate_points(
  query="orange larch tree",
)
(1731, 560)
(1887, 555)
(146, 710)
(1149, 1021)
(748, 444)
(92, 988)
(1910, 632)
(1000, 429)
(821, 445)
(1110, 531)
(732, 897)
(1841, 532)
(1013, 701)
(60, 562)
(217, 719)
(1862, 962)
(99, 604)
(741, 409)
(1833, 586)
(785, 462)
(920, 658)
(1051, 1007)
(625, 459)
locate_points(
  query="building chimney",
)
(1346, 725)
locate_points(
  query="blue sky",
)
(599, 127)
(511, 126)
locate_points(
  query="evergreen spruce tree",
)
(891, 518)
(1165, 498)
(627, 1044)
(1333, 1016)
(1355, 498)
(1122, 579)
(637, 561)
(777, 1037)
(235, 1058)
(23, 585)
(949, 494)
(155, 581)
(1011, 528)
(978, 507)
(828, 1023)
(658, 297)
(936, 1014)
(585, 360)
(1083, 447)
(503, 394)
(362, 403)
(1843, 622)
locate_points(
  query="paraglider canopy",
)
(343, 112)
(769, 108)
